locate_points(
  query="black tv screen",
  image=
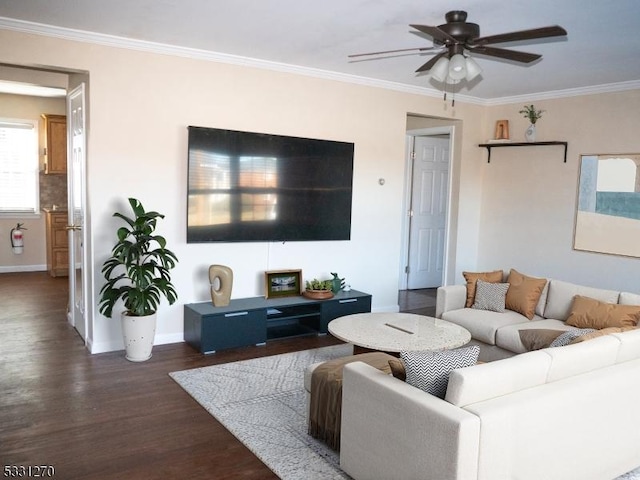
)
(253, 187)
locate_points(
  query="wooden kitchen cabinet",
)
(57, 243)
(53, 143)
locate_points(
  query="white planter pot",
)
(138, 333)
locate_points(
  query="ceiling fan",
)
(457, 36)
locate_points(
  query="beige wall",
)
(141, 104)
(517, 211)
(34, 255)
(529, 195)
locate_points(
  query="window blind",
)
(18, 166)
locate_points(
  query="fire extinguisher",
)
(17, 239)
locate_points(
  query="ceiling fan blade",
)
(514, 55)
(431, 63)
(553, 31)
(435, 33)
(420, 49)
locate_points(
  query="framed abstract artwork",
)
(608, 207)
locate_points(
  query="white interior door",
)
(428, 211)
(76, 204)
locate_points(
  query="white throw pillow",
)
(429, 371)
(490, 296)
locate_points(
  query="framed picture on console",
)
(282, 283)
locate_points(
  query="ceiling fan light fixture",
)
(457, 67)
(473, 69)
(440, 70)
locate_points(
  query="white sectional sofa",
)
(565, 413)
(498, 334)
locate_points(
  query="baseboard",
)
(23, 268)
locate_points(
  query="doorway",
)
(73, 83)
(427, 196)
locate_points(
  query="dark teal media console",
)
(256, 320)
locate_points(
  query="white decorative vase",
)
(530, 133)
(138, 334)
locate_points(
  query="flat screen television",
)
(256, 187)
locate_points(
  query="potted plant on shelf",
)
(318, 289)
(138, 272)
(533, 115)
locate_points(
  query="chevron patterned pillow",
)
(429, 371)
(490, 296)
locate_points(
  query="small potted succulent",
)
(318, 289)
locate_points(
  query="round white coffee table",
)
(394, 332)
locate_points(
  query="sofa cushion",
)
(560, 297)
(429, 371)
(582, 357)
(627, 298)
(490, 296)
(590, 313)
(494, 379)
(524, 293)
(483, 324)
(509, 336)
(472, 277)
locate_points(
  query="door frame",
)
(406, 201)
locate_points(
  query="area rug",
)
(263, 403)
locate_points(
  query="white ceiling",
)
(602, 46)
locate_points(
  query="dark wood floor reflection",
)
(100, 416)
(421, 302)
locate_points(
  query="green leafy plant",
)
(316, 284)
(530, 112)
(138, 270)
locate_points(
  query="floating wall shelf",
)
(489, 146)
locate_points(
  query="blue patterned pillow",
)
(490, 296)
(429, 371)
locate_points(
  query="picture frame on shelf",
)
(502, 130)
(282, 283)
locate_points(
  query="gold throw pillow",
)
(524, 293)
(590, 313)
(397, 369)
(472, 278)
(600, 333)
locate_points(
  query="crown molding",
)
(569, 92)
(206, 55)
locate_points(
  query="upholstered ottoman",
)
(323, 381)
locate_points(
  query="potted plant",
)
(529, 112)
(138, 272)
(318, 289)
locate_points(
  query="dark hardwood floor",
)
(100, 416)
